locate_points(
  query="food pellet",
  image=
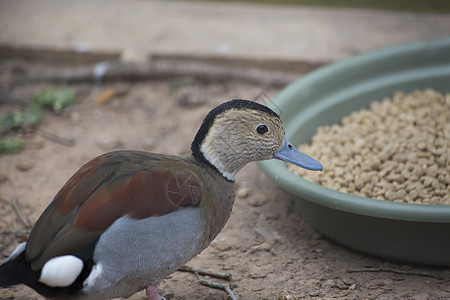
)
(398, 150)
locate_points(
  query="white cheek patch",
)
(61, 271)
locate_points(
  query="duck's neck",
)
(220, 157)
(223, 160)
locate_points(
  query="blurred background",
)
(80, 78)
(283, 31)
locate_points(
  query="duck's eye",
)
(261, 129)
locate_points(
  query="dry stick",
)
(162, 70)
(16, 231)
(217, 285)
(57, 139)
(22, 218)
(210, 283)
(222, 275)
(391, 270)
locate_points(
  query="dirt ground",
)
(270, 250)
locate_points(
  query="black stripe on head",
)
(209, 120)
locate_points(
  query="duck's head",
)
(240, 131)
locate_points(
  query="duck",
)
(127, 219)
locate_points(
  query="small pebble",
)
(268, 234)
(3, 177)
(257, 272)
(221, 244)
(257, 201)
(347, 280)
(24, 166)
(286, 296)
(242, 193)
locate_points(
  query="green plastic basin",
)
(416, 233)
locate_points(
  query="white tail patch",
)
(61, 271)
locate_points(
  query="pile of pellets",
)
(397, 150)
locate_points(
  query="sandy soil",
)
(269, 249)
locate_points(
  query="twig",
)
(162, 70)
(217, 285)
(22, 218)
(57, 139)
(210, 283)
(221, 275)
(16, 231)
(392, 270)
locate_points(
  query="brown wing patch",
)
(85, 181)
(183, 191)
(139, 195)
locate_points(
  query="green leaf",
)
(55, 99)
(11, 145)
